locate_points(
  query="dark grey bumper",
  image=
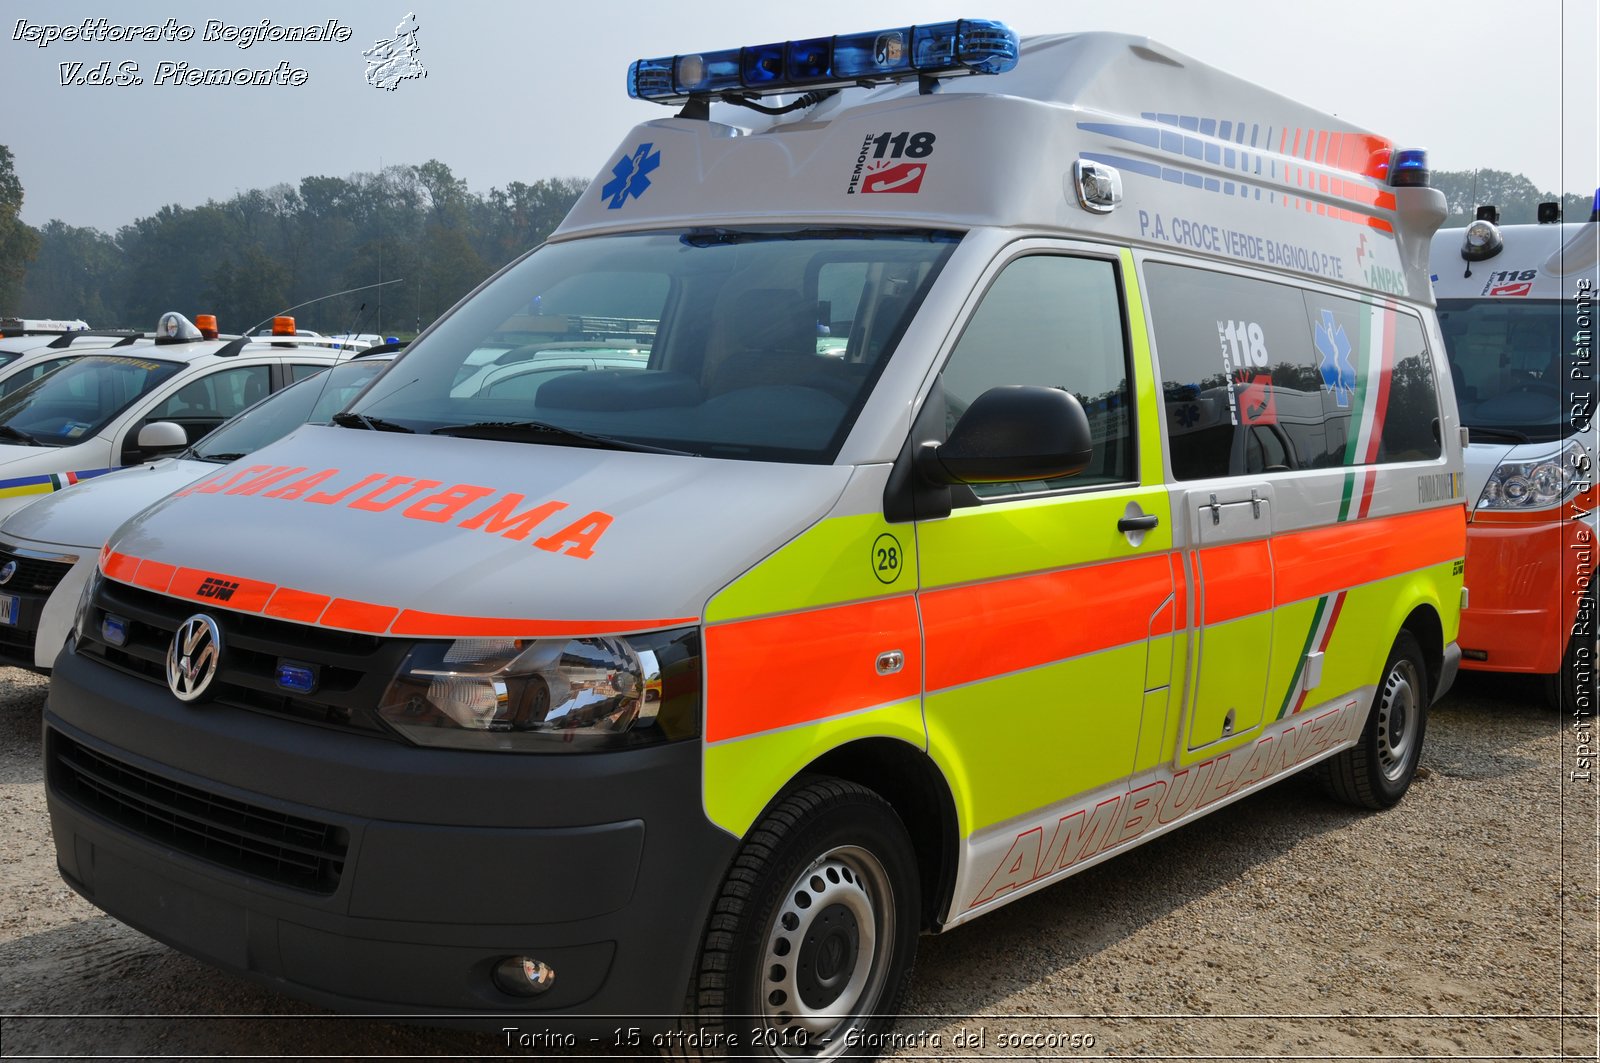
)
(601, 865)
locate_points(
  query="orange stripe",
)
(155, 576)
(359, 616)
(307, 607)
(1323, 560)
(299, 606)
(785, 670)
(1008, 625)
(119, 567)
(440, 625)
(248, 597)
(1236, 580)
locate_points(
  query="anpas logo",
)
(630, 176)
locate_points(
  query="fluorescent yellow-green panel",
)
(843, 559)
(1146, 398)
(1007, 539)
(1024, 741)
(1154, 747)
(1232, 677)
(742, 775)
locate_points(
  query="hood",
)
(85, 516)
(443, 537)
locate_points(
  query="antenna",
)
(238, 345)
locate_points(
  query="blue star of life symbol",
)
(1188, 415)
(1333, 350)
(631, 175)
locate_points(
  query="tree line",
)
(419, 227)
(260, 251)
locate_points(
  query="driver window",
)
(215, 397)
(1055, 321)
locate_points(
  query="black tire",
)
(1377, 770)
(1574, 685)
(809, 948)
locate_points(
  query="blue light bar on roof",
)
(943, 49)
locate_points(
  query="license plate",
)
(9, 605)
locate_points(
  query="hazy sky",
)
(525, 90)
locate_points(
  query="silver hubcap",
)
(827, 951)
(1398, 710)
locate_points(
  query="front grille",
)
(33, 575)
(352, 670)
(268, 845)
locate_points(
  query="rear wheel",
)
(1377, 771)
(809, 950)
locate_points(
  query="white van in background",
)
(1516, 305)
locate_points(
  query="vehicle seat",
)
(773, 341)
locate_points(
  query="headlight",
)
(80, 618)
(548, 695)
(1536, 484)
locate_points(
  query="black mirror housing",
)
(1017, 432)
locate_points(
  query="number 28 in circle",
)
(887, 558)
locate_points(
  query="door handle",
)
(1140, 523)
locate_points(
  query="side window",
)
(1055, 321)
(1241, 388)
(1259, 377)
(1375, 371)
(1411, 427)
(215, 397)
(298, 372)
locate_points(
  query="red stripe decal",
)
(1008, 625)
(801, 667)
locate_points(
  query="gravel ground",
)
(1461, 924)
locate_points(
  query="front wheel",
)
(809, 950)
(1377, 771)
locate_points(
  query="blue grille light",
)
(114, 630)
(943, 49)
(296, 676)
(1409, 169)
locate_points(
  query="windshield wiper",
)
(1474, 431)
(372, 424)
(221, 459)
(543, 432)
(19, 435)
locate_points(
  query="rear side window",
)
(1262, 377)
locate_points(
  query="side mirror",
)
(162, 435)
(1017, 432)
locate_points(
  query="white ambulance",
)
(1516, 306)
(1128, 482)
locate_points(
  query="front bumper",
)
(47, 586)
(431, 866)
(1525, 580)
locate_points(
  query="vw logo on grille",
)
(193, 656)
(7, 570)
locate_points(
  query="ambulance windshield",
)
(1512, 362)
(746, 343)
